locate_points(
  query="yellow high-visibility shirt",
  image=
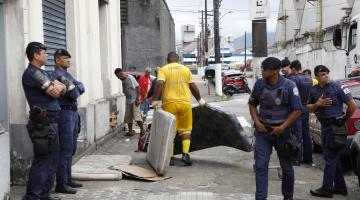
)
(314, 81)
(176, 79)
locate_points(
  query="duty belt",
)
(68, 107)
(339, 121)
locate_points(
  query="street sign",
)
(259, 9)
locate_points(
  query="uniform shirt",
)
(35, 96)
(292, 99)
(304, 84)
(339, 95)
(70, 98)
(130, 89)
(177, 78)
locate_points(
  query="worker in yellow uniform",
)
(175, 83)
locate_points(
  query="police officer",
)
(68, 123)
(41, 93)
(285, 67)
(326, 100)
(279, 102)
(301, 126)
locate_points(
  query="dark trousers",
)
(306, 138)
(68, 128)
(43, 168)
(333, 176)
(264, 144)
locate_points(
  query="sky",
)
(234, 16)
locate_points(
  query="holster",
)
(291, 147)
(42, 141)
(338, 138)
(39, 134)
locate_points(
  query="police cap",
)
(61, 52)
(320, 68)
(271, 63)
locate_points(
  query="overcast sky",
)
(234, 21)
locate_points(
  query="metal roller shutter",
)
(54, 28)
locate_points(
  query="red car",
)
(353, 124)
(234, 82)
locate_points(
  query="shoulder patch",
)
(346, 90)
(296, 91)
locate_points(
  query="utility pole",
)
(206, 37)
(245, 56)
(218, 82)
(216, 31)
(202, 38)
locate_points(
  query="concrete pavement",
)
(217, 173)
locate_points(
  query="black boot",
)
(186, 159)
(321, 193)
(65, 189)
(340, 191)
(74, 184)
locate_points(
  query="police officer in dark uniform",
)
(68, 123)
(301, 126)
(285, 67)
(326, 100)
(41, 93)
(279, 106)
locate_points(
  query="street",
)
(217, 173)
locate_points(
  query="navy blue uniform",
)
(301, 126)
(43, 168)
(276, 103)
(333, 176)
(68, 126)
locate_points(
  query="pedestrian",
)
(41, 93)
(153, 84)
(308, 72)
(145, 83)
(285, 67)
(68, 123)
(301, 126)
(175, 83)
(326, 101)
(131, 90)
(279, 107)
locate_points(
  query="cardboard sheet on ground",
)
(137, 172)
(213, 127)
(96, 167)
(161, 140)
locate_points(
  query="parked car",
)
(353, 125)
(355, 155)
(234, 82)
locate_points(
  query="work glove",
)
(156, 104)
(202, 102)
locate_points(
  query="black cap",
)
(271, 63)
(61, 52)
(320, 68)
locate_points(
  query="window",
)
(352, 36)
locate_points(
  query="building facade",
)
(305, 32)
(90, 30)
(147, 37)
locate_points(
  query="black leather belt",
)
(67, 107)
(339, 121)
